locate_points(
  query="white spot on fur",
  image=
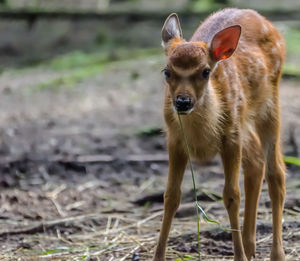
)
(229, 70)
(242, 49)
(217, 64)
(267, 108)
(278, 45)
(260, 63)
(274, 50)
(277, 66)
(265, 29)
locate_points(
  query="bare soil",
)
(83, 170)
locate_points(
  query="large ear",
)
(171, 29)
(225, 42)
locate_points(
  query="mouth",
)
(183, 112)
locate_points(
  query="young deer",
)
(225, 83)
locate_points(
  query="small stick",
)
(131, 252)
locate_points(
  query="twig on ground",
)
(130, 253)
(97, 158)
(41, 226)
(58, 207)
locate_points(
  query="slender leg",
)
(177, 164)
(231, 157)
(253, 167)
(269, 132)
(275, 177)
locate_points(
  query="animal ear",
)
(225, 42)
(171, 29)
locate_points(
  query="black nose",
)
(183, 103)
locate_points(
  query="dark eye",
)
(205, 73)
(166, 73)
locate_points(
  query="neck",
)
(209, 104)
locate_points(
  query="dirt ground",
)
(84, 166)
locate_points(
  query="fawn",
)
(225, 83)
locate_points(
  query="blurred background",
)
(83, 163)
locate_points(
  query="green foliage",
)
(292, 38)
(292, 160)
(291, 70)
(55, 250)
(85, 257)
(206, 5)
(71, 78)
(147, 204)
(78, 66)
(292, 65)
(186, 257)
(150, 131)
(76, 59)
(49, 252)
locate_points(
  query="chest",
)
(203, 137)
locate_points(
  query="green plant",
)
(186, 257)
(198, 206)
(292, 160)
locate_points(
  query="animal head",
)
(189, 64)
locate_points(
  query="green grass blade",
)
(186, 257)
(198, 207)
(205, 216)
(194, 184)
(292, 160)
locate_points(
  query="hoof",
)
(277, 254)
(158, 259)
(240, 258)
(249, 250)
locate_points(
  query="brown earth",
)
(83, 170)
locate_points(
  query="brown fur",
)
(236, 114)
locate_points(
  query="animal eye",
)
(166, 73)
(205, 73)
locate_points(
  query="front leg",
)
(231, 158)
(177, 164)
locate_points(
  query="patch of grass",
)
(76, 59)
(78, 66)
(292, 160)
(292, 38)
(81, 59)
(147, 204)
(150, 131)
(291, 70)
(71, 78)
(85, 257)
(186, 257)
(55, 250)
(292, 64)
(206, 5)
